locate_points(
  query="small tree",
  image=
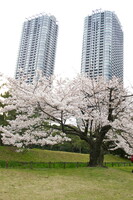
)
(97, 111)
(4, 117)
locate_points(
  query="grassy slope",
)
(37, 155)
(66, 184)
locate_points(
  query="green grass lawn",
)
(63, 184)
(37, 155)
(67, 184)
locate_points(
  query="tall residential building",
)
(37, 47)
(102, 51)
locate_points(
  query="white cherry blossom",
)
(95, 110)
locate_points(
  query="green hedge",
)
(16, 164)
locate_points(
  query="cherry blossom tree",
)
(98, 111)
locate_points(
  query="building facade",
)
(102, 50)
(37, 47)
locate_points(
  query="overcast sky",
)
(70, 15)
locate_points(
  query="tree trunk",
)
(1, 143)
(96, 148)
(96, 156)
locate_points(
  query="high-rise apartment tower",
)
(37, 47)
(102, 51)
